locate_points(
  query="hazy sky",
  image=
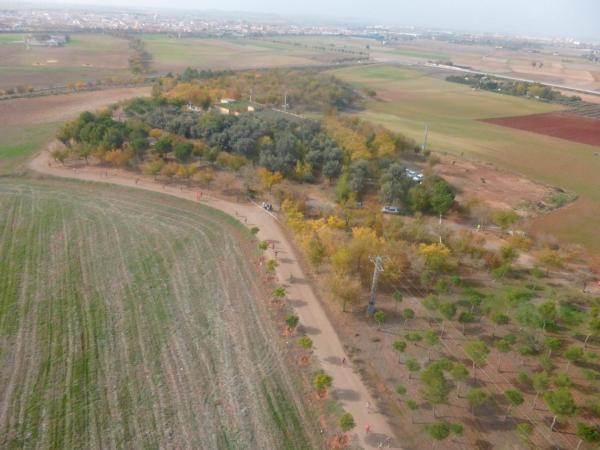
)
(578, 18)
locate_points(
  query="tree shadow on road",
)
(345, 394)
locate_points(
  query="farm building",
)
(235, 107)
(47, 40)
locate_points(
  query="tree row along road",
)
(508, 77)
(347, 386)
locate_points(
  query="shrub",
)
(477, 397)
(574, 353)
(503, 345)
(163, 145)
(505, 219)
(524, 379)
(546, 363)
(527, 350)
(457, 428)
(271, 265)
(183, 151)
(408, 313)
(588, 433)
(413, 365)
(536, 272)
(322, 381)
(594, 407)
(431, 302)
(292, 321)
(590, 375)
(438, 431)
(447, 310)
(514, 397)
(411, 404)
(413, 336)
(399, 346)
(562, 380)
(524, 431)
(442, 286)
(466, 317)
(504, 271)
(347, 422)
(305, 342)
(500, 319)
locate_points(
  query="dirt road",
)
(347, 385)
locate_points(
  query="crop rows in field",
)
(132, 320)
(588, 110)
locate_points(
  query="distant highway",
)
(506, 77)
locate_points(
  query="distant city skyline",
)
(551, 18)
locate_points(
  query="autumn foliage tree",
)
(269, 179)
(345, 289)
(435, 256)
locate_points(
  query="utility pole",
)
(425, 137)
(376, 271)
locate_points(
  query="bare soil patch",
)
(561, 125)
(25, 111)
(498, 188)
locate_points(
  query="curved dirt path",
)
(347, 386)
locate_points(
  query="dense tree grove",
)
(275, 142)
(99, 134)
(299, 149)
(360, 154)
(304, 90)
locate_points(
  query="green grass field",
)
(27, 125)
(11, 38)
(17, 144)
(134, 320)
(407, 100)
(177, 54)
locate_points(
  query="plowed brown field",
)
(561, 125)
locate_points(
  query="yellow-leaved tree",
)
(364, 243)
(345, 289)
(293, 216)
(436, 257)
(269, 179)
(118, 157)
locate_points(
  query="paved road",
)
(347, 384)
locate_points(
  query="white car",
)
(390, 210)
